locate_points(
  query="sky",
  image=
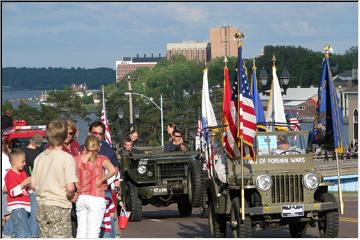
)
(91, 35)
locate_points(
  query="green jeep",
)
(160, 179)
(279, 189)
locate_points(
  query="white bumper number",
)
(292, 210)
(160, 190)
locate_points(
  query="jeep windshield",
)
(278, 143)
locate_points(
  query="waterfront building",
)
(78, 88)
(192, 50)
(222, 41)
(300, 102)
(351, 96)
(347, 88)
(128, 65)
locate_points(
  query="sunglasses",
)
(177, 135)
(71, 133)
(97, 133)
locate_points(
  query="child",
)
(17, 184)
(53, 179)
(90, 206)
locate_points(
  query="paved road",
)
(165, 222)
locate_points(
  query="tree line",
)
(49, 78)
(180, 83)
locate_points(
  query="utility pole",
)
(130, 105)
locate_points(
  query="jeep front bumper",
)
(308, 207)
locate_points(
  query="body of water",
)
(13, 95)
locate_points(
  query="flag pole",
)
(339, 184)
(103, 95)
(240, 36)
(222, 115)
(327, 51)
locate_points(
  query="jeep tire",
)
(239, 228)
(195, 184)
(217, 222)
(204, 208)
(133, 202)
(297, 229)
(184, 207)
(329, 220)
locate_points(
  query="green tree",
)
(67, 103)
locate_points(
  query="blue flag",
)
(328, 120)
(259, 110)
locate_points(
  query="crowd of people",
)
(351, 150)
(66, 189)
(63, 189)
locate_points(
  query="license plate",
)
(292, 210)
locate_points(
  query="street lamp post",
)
(159, 107)
(130, 105)
(284, 81)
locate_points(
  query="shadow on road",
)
(166, 213)
(193, 230)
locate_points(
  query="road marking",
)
(345, 219)
(155, 220)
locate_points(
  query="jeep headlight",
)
(141, 169)
(263, 182)
(311, 181)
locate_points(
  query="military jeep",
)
(279, 189)
(160, 179)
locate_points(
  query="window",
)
(302, 107)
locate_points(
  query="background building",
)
(128, 64)
(192, 50)
(222, 41)
(300, 102)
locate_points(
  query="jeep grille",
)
(171, 170)
(287, 188)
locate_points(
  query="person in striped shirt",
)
(17, 184)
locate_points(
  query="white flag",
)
(275, 108)
(208, 120)
(207, 111)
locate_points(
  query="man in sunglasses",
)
(97, 129)
(174, 145)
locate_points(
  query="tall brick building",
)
(222, 41)
(192, 50)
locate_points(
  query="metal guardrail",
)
(331, 164)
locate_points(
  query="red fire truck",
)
(19, 135)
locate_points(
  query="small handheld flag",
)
(105, 120)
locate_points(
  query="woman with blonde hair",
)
(90, 206)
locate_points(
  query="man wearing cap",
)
(31, 152)
(282, 145)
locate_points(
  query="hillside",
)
(49, 78)
(303, 65)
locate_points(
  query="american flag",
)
(198, 135)
(247, 112)
(294, 123)
(105, 120)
